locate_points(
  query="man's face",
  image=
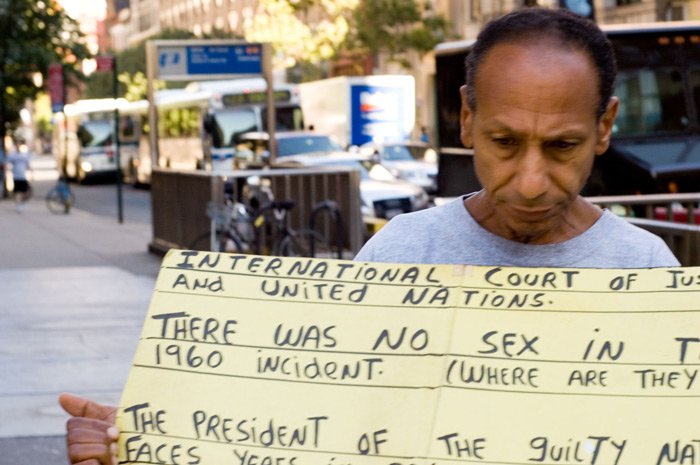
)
(535, 135)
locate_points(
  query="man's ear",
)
(465, 119)
(605, 126)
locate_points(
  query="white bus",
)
(85, 144)
(198, 126)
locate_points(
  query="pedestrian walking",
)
(3, 192)
(19, 159)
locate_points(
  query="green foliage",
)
(396, 28)
(43, 115)
(301, 30)
(35, 33)
(137, 85)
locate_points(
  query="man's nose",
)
(532, 178)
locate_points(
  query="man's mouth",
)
(530, 214)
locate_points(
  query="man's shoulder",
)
(633, 242)
(424, 219)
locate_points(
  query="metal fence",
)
(180, 198)
(682, 235)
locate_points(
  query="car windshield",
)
(397, 153)
(95, 134)
(307, 144)
(228, 124)
(368, 169)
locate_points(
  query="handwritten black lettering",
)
(463, 447)
(318, 367)
(267, 433)
(311, 336)
(687, 453)
(681, 278)
(531, 279)
(509, 339)
(186, 328)
(460, 372)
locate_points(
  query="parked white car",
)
(383, 195)
(415, 162)
(252, 148)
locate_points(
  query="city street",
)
(74, 290)
(98, 197)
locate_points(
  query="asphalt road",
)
(100, 198)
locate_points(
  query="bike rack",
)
(331, 207)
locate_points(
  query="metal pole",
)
(117, 157)
(271, 117)
(151, 75)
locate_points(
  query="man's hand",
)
(91, 433)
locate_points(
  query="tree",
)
(34, 34)
(396, 28)
(301, 30)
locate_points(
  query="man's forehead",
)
(536, 52)
(537, 78)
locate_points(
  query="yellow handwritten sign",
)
(248, 360)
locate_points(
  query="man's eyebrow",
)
(495, 125)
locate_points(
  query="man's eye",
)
(505, 141)
(562, 145)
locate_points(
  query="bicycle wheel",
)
(305, 243)
(223, 243)
(67, 195)
(56, 201)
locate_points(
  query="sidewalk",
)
(74, 290)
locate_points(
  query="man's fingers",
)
(86, 436)
(88, 423)
(82, 407)
(85, 452)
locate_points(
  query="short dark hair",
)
(535, 24)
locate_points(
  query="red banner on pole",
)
(105, 63)
(56, 87)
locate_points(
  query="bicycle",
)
(289, 242)
(60, 198)
(232, 229)
(240, 229)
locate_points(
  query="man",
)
(537, 108)
(19, 159)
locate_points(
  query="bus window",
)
(127, 129)
(228, 124)
(95, 134)
(651, 101)
(286, 119)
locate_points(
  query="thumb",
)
(81, 407)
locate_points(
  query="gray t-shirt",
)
(449, 235)
(20, 164)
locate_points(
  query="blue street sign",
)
(206, 60)
(225, 59)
